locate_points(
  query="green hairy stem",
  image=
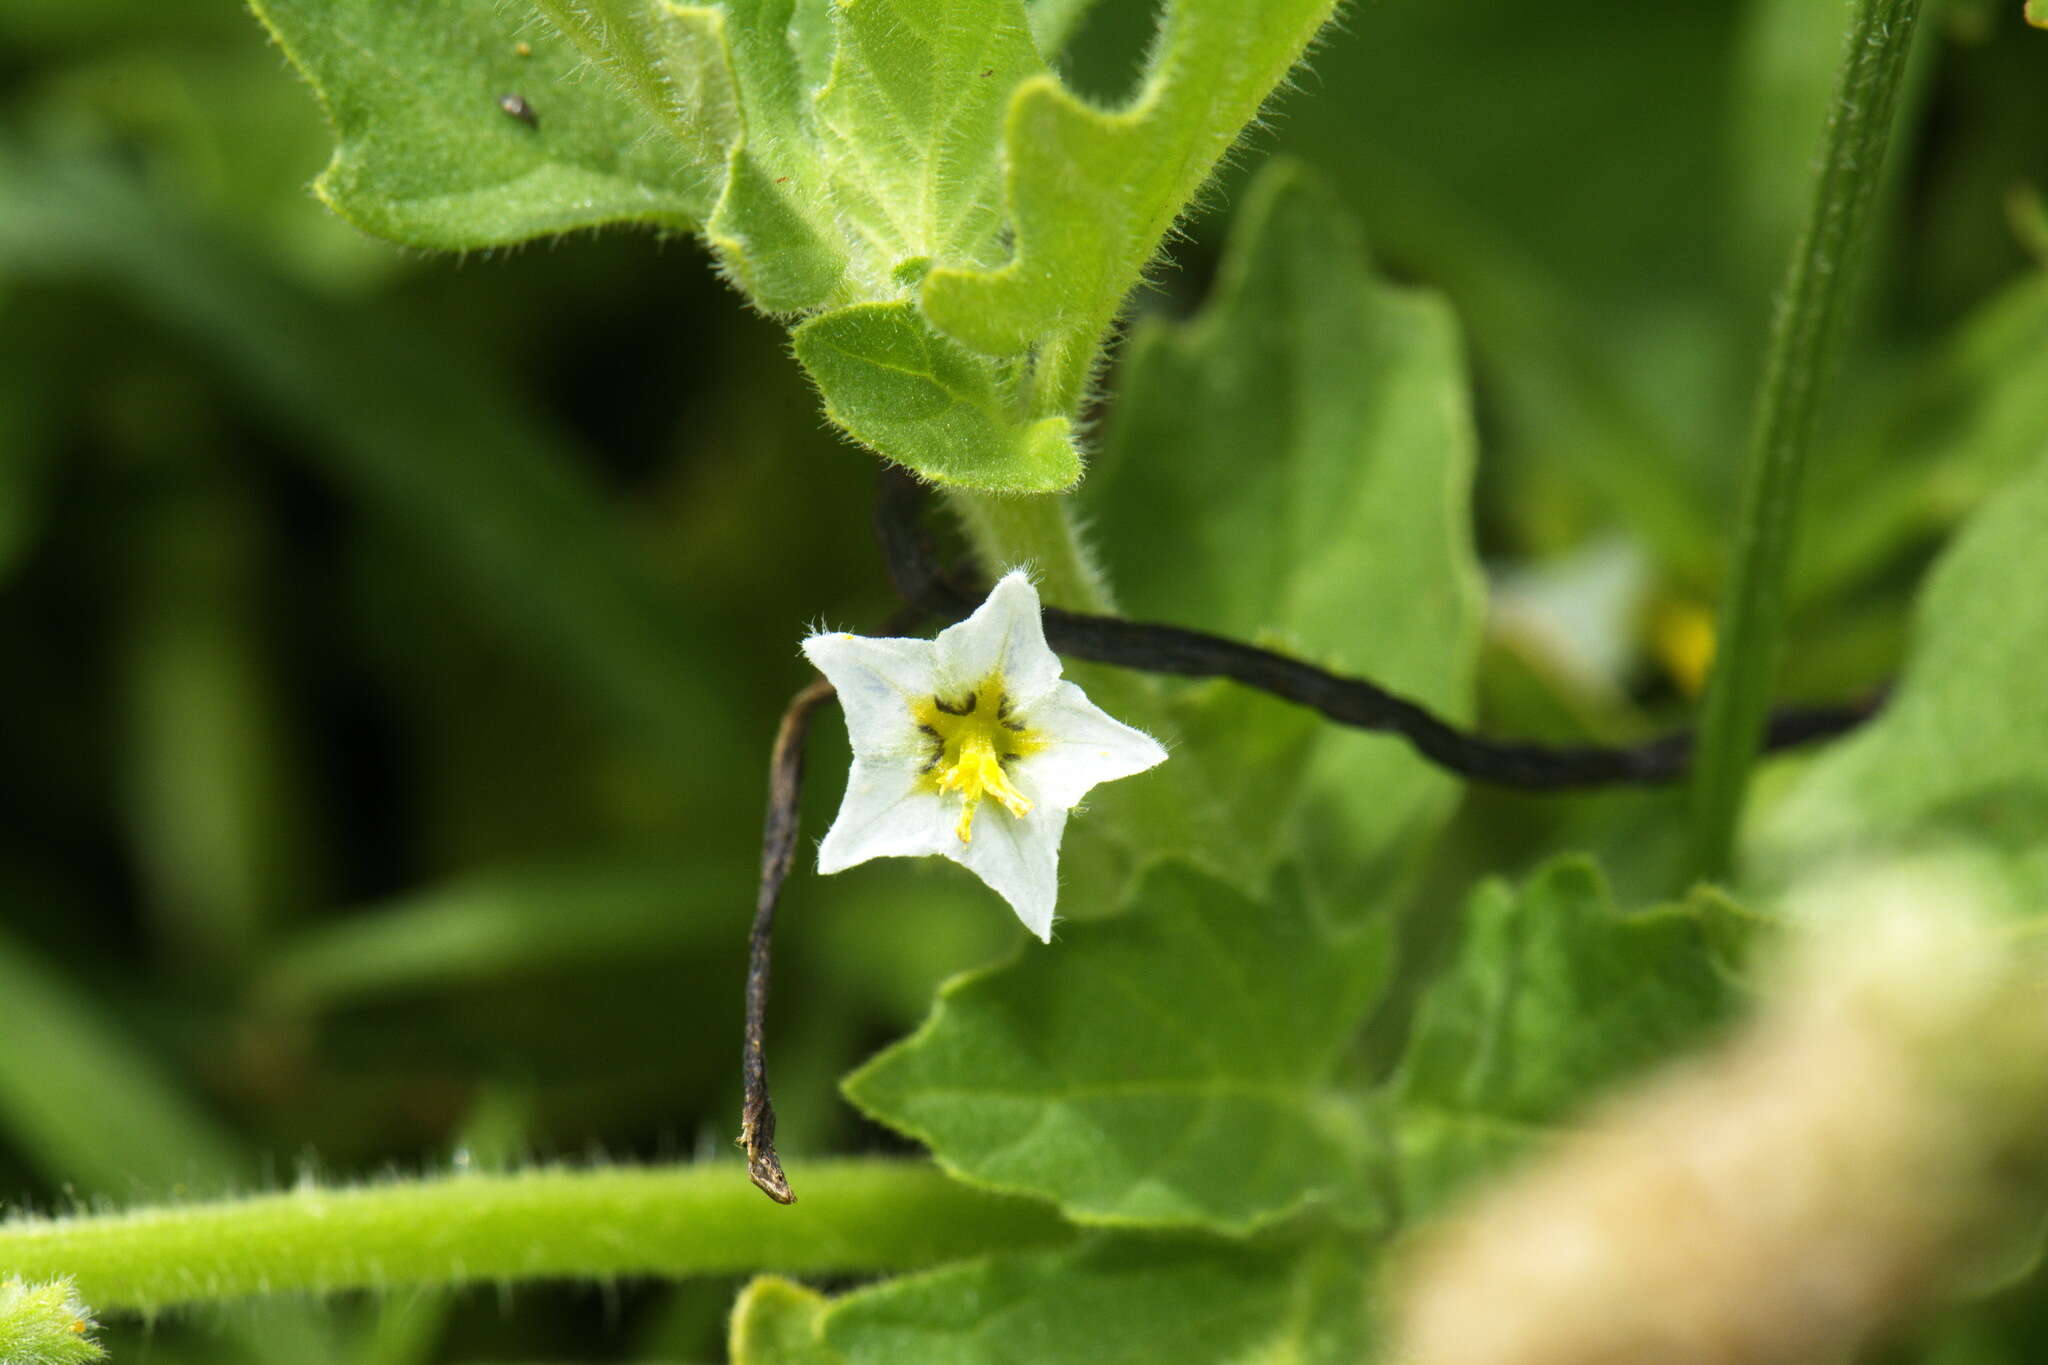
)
(1035, 532)
(536, 1224)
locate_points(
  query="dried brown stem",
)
(778, 851)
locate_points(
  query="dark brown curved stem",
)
(778, 850)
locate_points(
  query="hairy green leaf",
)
(1169, 1067)
(1553, 997)
(1296, 463)
(834, 157)
(1115, 1299)
(1054, 22)
(846, 196)
(425, 153)
(1959, 759)
(896, 385)
(909, 122)
(670, 62)
(1091, 193)
(774, 228)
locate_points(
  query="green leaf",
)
(1296, 464)
(909, 123)
(894, 160)
(1172, 1066)
(671, 62)
(779, 1322)
(1553, 997)
(85, 1102)
(1969, 422)
(1115, 1299)
(834, 157)
(728, 86)
(503, 924)
(410, 431)
(1091, 193)
(221, 827)
(925, 402)
(1054, 22)
(1958, 761)
(425, 155)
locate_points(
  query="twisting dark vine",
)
(928, 588)
(1153, 648)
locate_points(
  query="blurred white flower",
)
(971, 747)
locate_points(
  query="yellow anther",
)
(977, 772)
(973, 740)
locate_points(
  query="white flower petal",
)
(878, 681)
(1085, 745)
(897, 805)
(1005, 635)
(1019, 859)
(885, 814)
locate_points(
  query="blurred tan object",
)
(1787, 1196)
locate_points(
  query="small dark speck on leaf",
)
(516, 107)
(990, 72)
(781, 179)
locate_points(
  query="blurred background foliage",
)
(394, 641)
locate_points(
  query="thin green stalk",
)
(1037, 531)
(856, 1216)
(1806, 340)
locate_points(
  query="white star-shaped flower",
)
(971, 747)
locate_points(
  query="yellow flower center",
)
(973, 740)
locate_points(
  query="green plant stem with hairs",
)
(857, 1216)
(1806, 342)
(1035, 530)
